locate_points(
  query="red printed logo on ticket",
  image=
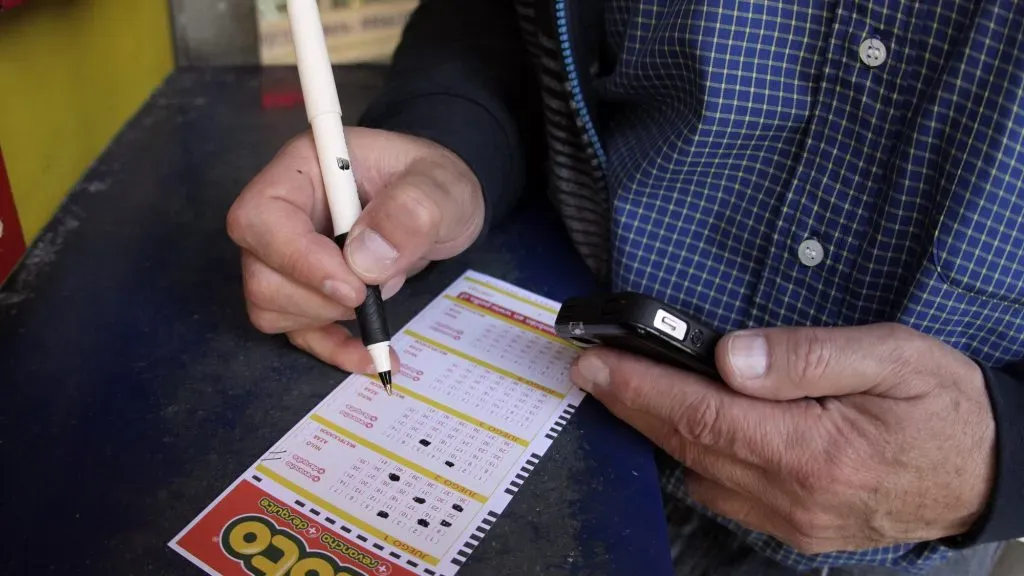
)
(250, 533)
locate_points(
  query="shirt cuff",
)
(466, 128)
(1003, 518)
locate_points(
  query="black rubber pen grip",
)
(373, 323)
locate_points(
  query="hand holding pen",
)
(323, 110)
(421, 204)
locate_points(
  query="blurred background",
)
(103, 58)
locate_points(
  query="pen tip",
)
(385, 379)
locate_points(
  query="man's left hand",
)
(826, 438)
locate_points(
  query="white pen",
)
(324, 112)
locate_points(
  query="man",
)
(838, 185)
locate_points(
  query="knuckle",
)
(810, 479)
(455, 178)
(257, 287)
(236, 222)
(906, 353)
(808, 528)
(298, 339)
(296, 262)
(809, 356)
(630, 392)
(420, 214)
(263, 321)
(698, 421)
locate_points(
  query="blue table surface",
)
(135, 390)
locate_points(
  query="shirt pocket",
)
(986, 329)
(978, 247)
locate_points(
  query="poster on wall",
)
(357, 31)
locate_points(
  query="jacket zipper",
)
(574, 82)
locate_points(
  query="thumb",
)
(426, 213)
(791, 363)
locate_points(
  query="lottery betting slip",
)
(367, 484)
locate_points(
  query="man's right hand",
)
(422, 203)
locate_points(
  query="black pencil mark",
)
(394, 477)
(457, 507)
(424, 442)
(446, 523)
(419, 500)
(382, 514)
(423, 522)
(449, 463)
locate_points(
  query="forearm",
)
(457, 78)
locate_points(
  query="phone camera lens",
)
(697, 337)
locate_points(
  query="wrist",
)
(980, 463)
(998, 516)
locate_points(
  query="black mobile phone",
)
(641, 325)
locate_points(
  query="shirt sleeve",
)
(458, 78)
(1003, 518)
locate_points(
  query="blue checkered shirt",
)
(821, 163)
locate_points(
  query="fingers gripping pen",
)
(324, 112)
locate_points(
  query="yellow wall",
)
(71, 73)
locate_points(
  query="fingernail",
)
(370, 254)
(748, 354)
(593, 373)
(340, 292)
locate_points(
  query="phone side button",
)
(670, 325)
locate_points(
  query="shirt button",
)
(810, 252)
(872, 52)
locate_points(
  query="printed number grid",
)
(491, 397)
(733, 132)
(458, 450)
(403, 503)
(524, 353)
(503, 344)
